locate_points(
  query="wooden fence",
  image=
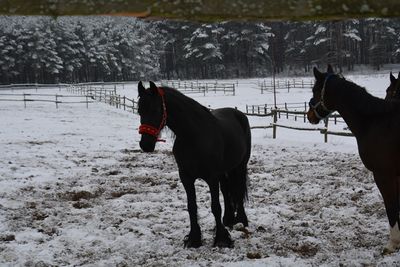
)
(197, 87)
(110, 97)
(277, 113)
(49, 98)
(266, 108)
(268, 85)
(105, 95)
(36, 86)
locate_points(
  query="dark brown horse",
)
(212, 145)
(393, 91)
(376, 125)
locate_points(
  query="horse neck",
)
(354, 104)
(186, 117)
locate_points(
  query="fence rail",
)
(105, 95)
(197, 87)
(57, 98)
(276, 115)
(268, 85)
(35, 86)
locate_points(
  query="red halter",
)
(151, 130)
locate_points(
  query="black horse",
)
(376, 125)
(393, 92)
(212, 145)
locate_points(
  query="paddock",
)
(76, 190)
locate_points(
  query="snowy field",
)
(75, 190)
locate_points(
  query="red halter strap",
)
(151, 130)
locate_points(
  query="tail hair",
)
(238, 186)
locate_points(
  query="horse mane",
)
(363, 101)
(185, 99)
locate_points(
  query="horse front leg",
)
(388, 186)
(193, 239)
(222, 236)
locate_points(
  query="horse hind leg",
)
(229, 211)
(388, 186)
(222, 236)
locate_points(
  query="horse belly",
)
(206, 161)
(379, 155)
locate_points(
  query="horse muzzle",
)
(312, 117)
(146, 144)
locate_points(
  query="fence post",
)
(56, 101)
(124, 103)
(24, 101)
(87, 102)
(326, 130)
(287, 114)
(274, 112)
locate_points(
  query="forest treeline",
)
(83, 49)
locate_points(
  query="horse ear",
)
(153, 87)
(317, 74)
(330, 69)
(392, 78)
(141, 89)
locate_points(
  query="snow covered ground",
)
(75, 189)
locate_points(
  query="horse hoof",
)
(390, 247)
(223, 239)
(388, 250)
(242, 220)
(228, 221)
(190, 242)
(224, 243)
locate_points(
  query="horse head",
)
(393, 90)
(318, 105)
(153, 115)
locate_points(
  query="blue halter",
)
(321, 101)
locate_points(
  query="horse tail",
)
(238, 179)
(238, 176)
